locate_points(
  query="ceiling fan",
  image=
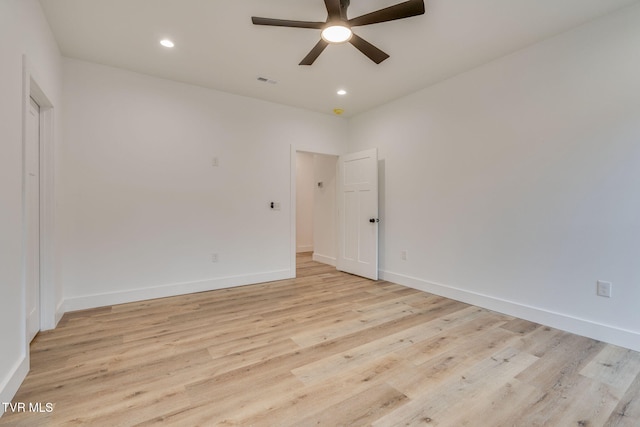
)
(337, 27)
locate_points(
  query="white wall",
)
(324, 209)
(23, 31)
(143, 209)
(516, 185)
(304, 202)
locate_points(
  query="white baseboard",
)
(324, 259)
(59, 312)
(106, 299)
(606, 333)
(10, 385)
(304, 248)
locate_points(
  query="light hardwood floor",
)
(328, 349)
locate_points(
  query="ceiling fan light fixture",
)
(337, 28)
(336, 34)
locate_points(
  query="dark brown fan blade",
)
(315, 52)
(374, 54)
(333, 9)
(399, 11)
(287, 23)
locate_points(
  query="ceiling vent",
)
(266, 80)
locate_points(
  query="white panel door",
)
(358, 214)
(32, 216)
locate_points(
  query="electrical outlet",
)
(275, 206)
(403, 255)
(603, 289)
(214, 162)
(214, 258)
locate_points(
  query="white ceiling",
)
(218, 47)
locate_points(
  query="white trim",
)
(304, 248)
(59, 312)
(324, 259)
(607, 333)
(10, 385)
(292, 210)
(122, 297)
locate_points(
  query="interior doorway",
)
(41, 309)
(315, 201)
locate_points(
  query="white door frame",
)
(49, 314)
(31, 202)
(292, 203)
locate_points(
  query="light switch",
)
(604, 289)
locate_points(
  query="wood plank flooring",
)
(328, 349)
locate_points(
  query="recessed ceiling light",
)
(166, 43)
(336, 34)
(342, 92)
